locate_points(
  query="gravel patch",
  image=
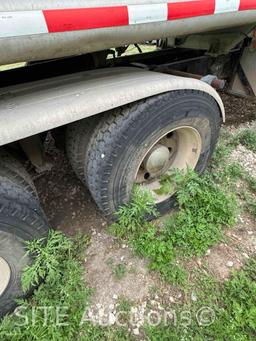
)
(246, 158)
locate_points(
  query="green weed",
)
(132, 216)
(247, 138)
(249, 202)
(124, 308)
(118, 270)
(223, 150)
(204, 208)
(250, 180)
(124, 305)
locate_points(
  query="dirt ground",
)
(70, 208)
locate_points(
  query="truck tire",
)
(21, 219)
(78, 136)
(140, 142)
(13, 170)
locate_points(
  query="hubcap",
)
(5, 275)
(157, 159)
(178, 149)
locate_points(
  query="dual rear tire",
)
(112, 152)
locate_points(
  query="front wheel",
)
(140, 143)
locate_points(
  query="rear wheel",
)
(143, 141)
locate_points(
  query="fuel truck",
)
(129, 88)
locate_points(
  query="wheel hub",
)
(5, 275)
(157, 159)
(179, 149)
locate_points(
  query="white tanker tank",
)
(44, 29)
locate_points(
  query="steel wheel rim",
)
(5, 275)
(184, 144)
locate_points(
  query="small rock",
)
(250, 232)
(230, 264)
(199, 262)
(140, 323)
(246, 255)
(101, 312)
(134, 310)
(193, 297)
(240, 219)
(115, 297)
(123, 246)
(122, 258)
(171, 299)
(136, 331)
(208, 252)
(111, 319)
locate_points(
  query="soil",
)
(238, 109)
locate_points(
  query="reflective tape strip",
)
(141, 14)
(246, 5)
(225, 6)
(189, 9)
(22, 23)
(62, 20)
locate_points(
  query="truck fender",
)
(32, 108)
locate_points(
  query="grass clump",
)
(247, 138)
(249, 202)
(56, 310)
(237, 315)
(204, 208)
(118, 270)
(124, 307)
(225, 147)
(131, 217)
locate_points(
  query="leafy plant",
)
(250, 180)
(223, 150)
(204, 208)
(132, 216)
(119, 270)
(250, 202)
(247, 138)
(167, 183)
